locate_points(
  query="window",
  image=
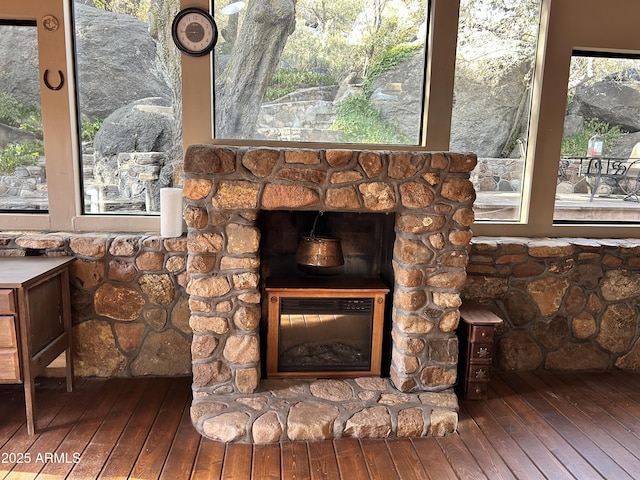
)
(23, 179)
(599, 175)
(345, 71)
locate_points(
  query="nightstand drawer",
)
(7, 301)
(8, 337)
(480, 352)
(481, 333)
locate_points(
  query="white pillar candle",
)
(171, 212)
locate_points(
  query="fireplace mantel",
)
(225, 190)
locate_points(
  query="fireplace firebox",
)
(325, 328)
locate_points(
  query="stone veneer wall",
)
(568, 304)
(129, 306)
(226, 188)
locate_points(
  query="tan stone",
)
(197, 188)
(175, 244)
(247, 318)
(247, 379)
(339, 158)
(245, 280)
(309, 421)
(620, 285)
(443, 422)
(406, 344)
(412, 252)
(583, 325)
(89, 246)
(464, 216)
(45, 242)
(202, 346)
(416, 195)
(372, 383)
(211, 286)
(407, 277)
(200, 263)
(410, 423)
(550, 248)
(630, 360)
(374, 422)
(438, 376)
(413, 324)
(87, 274)
(518, 351)
(449, 321)
(260, 162)
(163, 354)
(204, 242)
(405, 164)
(125, 246)
(439, 160)
(548, 293)
(150, 261)
(406, 364)
(306, 157)
(437, 241)
(267, 429)
(458, 190)
(618, 327)
(122, 271)
(243, 263)
(119, 303)
(196, 217)
(409, 300)
(345, 197)
(95, 351)
(277, 197)
(226, 427)
(418, 224)
(371, 163)
(175, 263)
(232, 195)
(208, 159)
(460, 237)
(453, 280)
(346, 177)
(242, 239)
(254, 402)
(447, 300)
(200, 323)
(577, 356)
(377, 196)
(402, 383)
(199, 409)
(156, 318)
(196, 305)
(302, 175)
(431, 178)
(241, 349)
(129, 335)
(394, 399)
(159, 289)
(334, 390)
(210, 373)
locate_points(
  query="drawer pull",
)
(483, 352)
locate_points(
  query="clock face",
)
(194, 31)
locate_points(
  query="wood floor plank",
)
(432, 459)
(322, 461)
(161, 435)
(295, 461)
(97, 451)
(266, 462)
(209, 460)
(517, 460)
(534, 395)
(128, 446)
(405, 459)
(459, 457)
(378, 459)
(561, 449)
(350, 458)
(237, 462)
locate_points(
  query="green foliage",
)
(19, 115)
(88, 130)
(576, 145)
(388, 61)
(20, 154)
(289, 80)
(134, 8)
(361, 123)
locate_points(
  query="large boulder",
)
(146, 125)
(118, 62)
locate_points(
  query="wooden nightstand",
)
(35, 321)
(476, 349)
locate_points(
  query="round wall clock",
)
(194, 31)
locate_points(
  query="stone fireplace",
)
(225, 191)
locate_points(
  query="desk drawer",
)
(7, 333)
(7, 301)
(9, 365)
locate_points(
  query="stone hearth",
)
(225, 190)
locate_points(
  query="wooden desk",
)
(35, 321)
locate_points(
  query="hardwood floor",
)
(535, 425)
